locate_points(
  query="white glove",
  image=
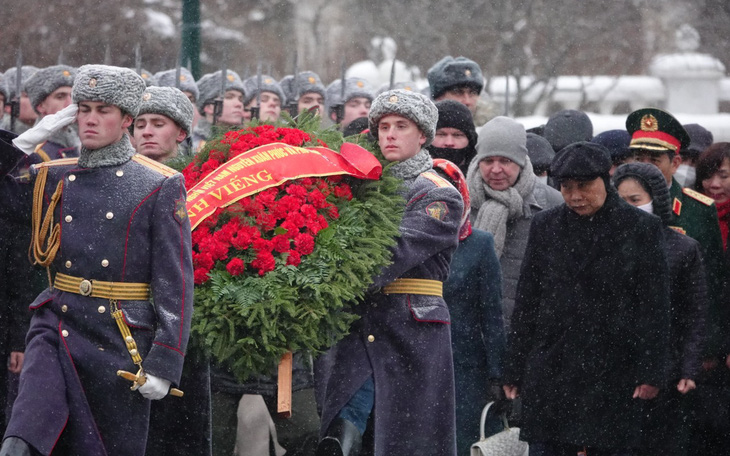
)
(154, 388)
(47, 126)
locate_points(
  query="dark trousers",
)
(358, 408)
(666, 426)
(566, 449)
(181, 426)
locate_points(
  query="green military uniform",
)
(695, 215)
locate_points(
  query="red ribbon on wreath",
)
(271, 165)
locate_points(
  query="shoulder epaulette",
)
(436, 179)
(157, 166)
(59, 162)
(704, 199)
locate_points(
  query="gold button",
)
(64, 308)
(105, 263)
(133, 352)
(371, 338)
(101, 349)
(65, 333)
(68, 219)
(120, 173)
(109, 215)
(101, 309)
(72, 177)
(129, 339)
(68, 264)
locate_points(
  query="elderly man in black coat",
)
(590, 329)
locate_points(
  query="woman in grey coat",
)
(505, 194)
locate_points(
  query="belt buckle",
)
(85, 287)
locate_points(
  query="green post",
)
(190, 39)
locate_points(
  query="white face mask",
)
(648, 207)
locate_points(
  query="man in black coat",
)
(590, 329)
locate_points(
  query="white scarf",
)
(491, 209)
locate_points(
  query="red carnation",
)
(209, 166)
(304, 243)
(244, 237)
(297, 191)
(343, 191)
(285, 205)
(317, 199)
(200, 276)
(264, 262)
(308, 211)
(203, 261)
(217, 155)
(295, 219)
(280, 243)
(293, 259)
(235, 267)
(262, 245)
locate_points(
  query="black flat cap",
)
(581, 161)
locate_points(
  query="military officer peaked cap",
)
(654, 129)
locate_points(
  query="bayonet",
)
(15, 103)
(107, 55)
(506, 96)
(340, 108)
(218, 103)
(178, 68)
(138, 59)
(256, 110)
(392, 74)
(294, 103)
(60, 57)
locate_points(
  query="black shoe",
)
(342, 439)
(13, 446)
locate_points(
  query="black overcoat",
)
(591, 323)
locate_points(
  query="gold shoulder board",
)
(704, 199)
(156, 166)
(436, 179)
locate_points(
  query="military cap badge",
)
(649, 123)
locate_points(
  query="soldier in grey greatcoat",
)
(121, 285)
(396, 364)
